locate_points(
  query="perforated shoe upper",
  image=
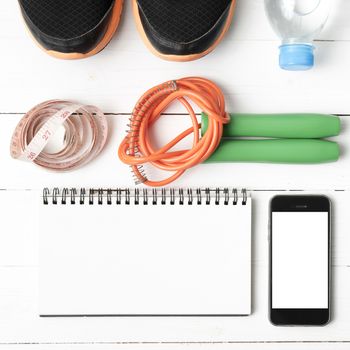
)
(183, 26)
(67, 25)
(65, 19)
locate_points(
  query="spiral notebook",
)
(144, 252)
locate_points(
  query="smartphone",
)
(299, 260)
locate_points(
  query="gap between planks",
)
(281, 342)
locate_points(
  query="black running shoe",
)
(182, 30)
(72, 29)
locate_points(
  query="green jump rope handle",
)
(296, 138)
(295, 151)
(295, 126)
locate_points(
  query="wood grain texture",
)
(185, 346)
(245, 65)
(107, 170)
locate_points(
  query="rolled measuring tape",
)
(85, 135)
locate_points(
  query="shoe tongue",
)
(66, 19)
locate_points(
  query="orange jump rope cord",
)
(137, 147)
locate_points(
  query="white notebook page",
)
(145, 260)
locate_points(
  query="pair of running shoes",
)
(178, 30)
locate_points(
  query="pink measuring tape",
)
(86, 132)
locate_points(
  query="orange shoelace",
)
(137, 147)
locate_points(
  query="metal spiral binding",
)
(91, 196)
(154, 197)
(100, 196)
(163, 202)
(73, 193)
(172, 196)
(245, 196)
(118, 196)
(82, 196)
(46, 193)
(217, 196)
(190, 196)
(227, 196)
(207, 196)
(109, 196)
(64, 195)
(145, 196)
(127, 196)
(199, 196)
(181, 196)
(137, 196)
(235, 196)
(55, 194)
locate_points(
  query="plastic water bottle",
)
(297, 23)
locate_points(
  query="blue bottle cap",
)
(296, 56)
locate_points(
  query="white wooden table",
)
(245, 65)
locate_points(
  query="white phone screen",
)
(300, 260)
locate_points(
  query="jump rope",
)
(284, 138)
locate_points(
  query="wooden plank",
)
(186, 346)
(19, 239)
(20, 323)
(114, 79)
(108, 170)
